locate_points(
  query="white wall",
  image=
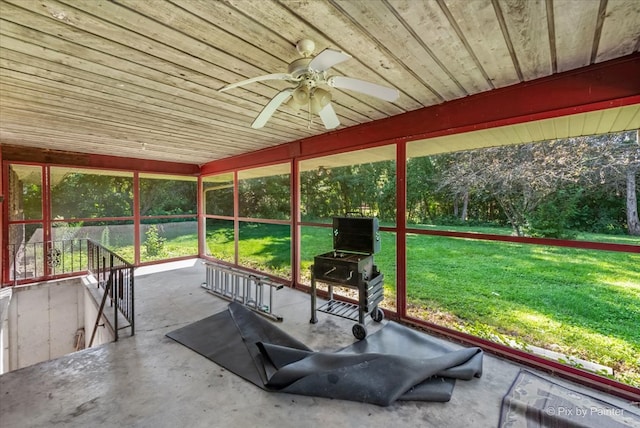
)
(43, 321)
(5, 300)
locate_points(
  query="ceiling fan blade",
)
(270, 108)
(329, 117)
(275, 76)
(379, 91)
(327, 59)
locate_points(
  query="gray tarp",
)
(395, 363)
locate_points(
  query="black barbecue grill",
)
(351, 265)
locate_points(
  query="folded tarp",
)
(395, 363)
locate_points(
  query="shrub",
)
(551, 218)
(154, 242)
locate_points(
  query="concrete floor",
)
(151, 381)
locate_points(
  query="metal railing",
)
(30, 261)
(44, 260)
(115, 276)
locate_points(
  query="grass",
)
(583, 303)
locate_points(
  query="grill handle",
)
(348, 278)
(329, 271)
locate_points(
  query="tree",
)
(613, 163)
(167, 197)
(519, 177)
(82, 195)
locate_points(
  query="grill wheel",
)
(359, 331)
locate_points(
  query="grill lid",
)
(356, 234)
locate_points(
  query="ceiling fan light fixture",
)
(299, 98)
(319, 100)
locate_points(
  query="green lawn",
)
(583, 303)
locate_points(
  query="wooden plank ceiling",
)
(140, 78)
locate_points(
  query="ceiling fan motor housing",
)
(299, 67)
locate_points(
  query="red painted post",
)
(401, 229)
(136, 218)
(295, 222)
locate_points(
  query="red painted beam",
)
(58, 157)
(268, 156)
(609, 84)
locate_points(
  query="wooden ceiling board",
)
(406, 45)
(181, 44)
(68, 97)
(620, 31)
(29, 136)
(526, 22)
(478, 22)
(573, 48)
(233, 21)
(289, 25)
(135, 65)
(105, 77)
(79, 110)
(446, 47)
(240, 111)
(150, 94)
(104, 70)
(47, 119)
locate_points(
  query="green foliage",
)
(551, 219)
(367, 188)
(265, 197)
(167, 197)
(600, 210)
(83, 195)
(31, 199)
(154, 243)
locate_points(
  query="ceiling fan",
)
(309, 74)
